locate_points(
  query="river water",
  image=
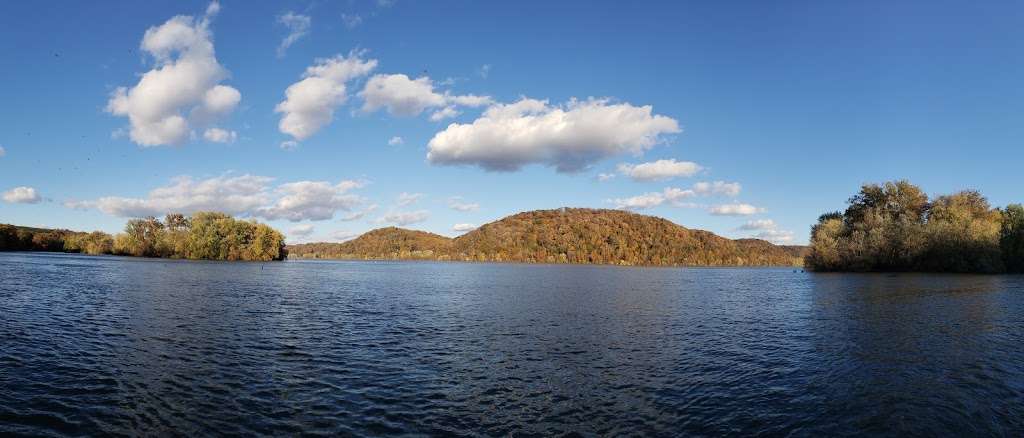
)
(126, 346)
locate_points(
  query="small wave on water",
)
(113, 346)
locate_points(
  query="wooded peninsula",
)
(895, 227)
(203, 236)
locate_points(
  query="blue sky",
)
(789, 105)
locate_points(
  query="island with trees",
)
(896, 227)
(565, 235)
(202, 236)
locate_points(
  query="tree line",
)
(202, 236)
(895, 227)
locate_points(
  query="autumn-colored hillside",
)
(389, 243)
(567, 235)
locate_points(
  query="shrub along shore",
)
(203, 236)
(895, 227)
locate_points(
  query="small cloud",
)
(639, 202)
(218, 135)
(356, 215)
(298, 26)
(351, 21)
(602, 177)
(405, 218)
(301, 230)
(289, 145)
(444, 113)
(484, 71)
(768, 230)
(456, 203)
(660, 170)
(2, 151)
(343, 235)
(735, 210)
(408, 198)
(778, 237)
(79, 205)
(396, 141)
(758, 224)
(22, 195)
(462, 228)
(385, 3)
(717, 188)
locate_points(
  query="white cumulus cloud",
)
(735, 210)
(569, 137)
(660, 170)
(298, 26)
(406, 97)
(396, 141)
(22, 195)
(310, 103)
(183, 87)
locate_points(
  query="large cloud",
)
(22, 195)
(183, 87)
(569, 137)
(310, 103)
(245, 195)
(659, 170)
(406, 97)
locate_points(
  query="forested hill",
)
(568, 235)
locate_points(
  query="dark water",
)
(100, 345)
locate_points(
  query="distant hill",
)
(567, 235)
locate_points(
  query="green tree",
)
(1011, 238)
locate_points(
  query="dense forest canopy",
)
(203, 236)
(895, 227)
(568, 235)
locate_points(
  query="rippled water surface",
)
(119, 346)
